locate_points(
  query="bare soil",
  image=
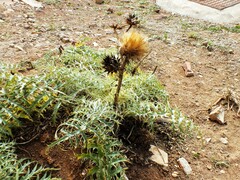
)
(63, 159)
(26, 34)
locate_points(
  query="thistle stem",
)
(120, 78)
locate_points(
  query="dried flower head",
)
(115, 26)
(132, 20)
(111, 63)
(133, 45)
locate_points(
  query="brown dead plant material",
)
(133, 45)
(231, 99)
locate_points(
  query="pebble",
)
(185, 165)
(175, 174)
(231, 51)
(65, 40)
(222, 172)
(31, 20)
(63, 28)
(113, 39)
(209, 54)
(217, 114)
(95, 44)
(224, 140)
(99, 1)
(208, 140)
(27, 26)
(209, 167)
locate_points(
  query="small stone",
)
(99, 1)
(222, 172)
(209, 167)
(27, 26)
(65, 40)
(217, 114)
(113, 40)
(31, 20)
(208, 140)
(42, 29)
(185, 165)
(159, 156)
(95, 44)
(224, 140)
(209, 54)
(198, 137)
(175, 174)
(188, 70)
(108, 31)
(63, 28)
(231, 51)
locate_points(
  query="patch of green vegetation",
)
(73, 92)
(25, 99)
(185, 25)
(51, 2)
(193, 35)
(165, 37)
(119, 13)
(221, 164)
(218, 28)
(143, 2)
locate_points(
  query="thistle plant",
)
(133, 46)
(24, 100)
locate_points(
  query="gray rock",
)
(185, 165)
(224, 140)
(208, 140)
(217, 114)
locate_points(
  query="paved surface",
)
(32, 3)
(229, 15)
(6, 2)
(218, 4)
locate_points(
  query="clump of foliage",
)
(76, 85)
(25, 99)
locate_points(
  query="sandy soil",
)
(26, 34)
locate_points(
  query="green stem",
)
(120, 78)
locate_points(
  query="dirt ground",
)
(26, 34)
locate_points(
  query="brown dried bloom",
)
(133, 45)
(111, 63)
